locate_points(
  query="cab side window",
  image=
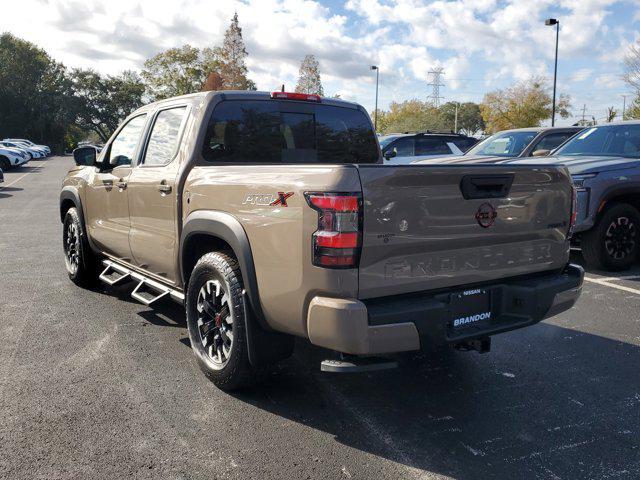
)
(123, 147)
(432, 146)
(403, 147)
(165, 135)
(552, 141)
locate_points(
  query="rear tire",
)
(81, 262)
(216, 320)
(613, 244)
(5, 164)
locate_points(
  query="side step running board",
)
(147, 291)
(354, 364)
(114, 274)
(147, 294)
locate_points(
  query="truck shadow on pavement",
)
(548, 402)
(164, 314)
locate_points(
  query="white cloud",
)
(581, 75)
(481, 44)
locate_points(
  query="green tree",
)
(178, 71)
(35, 93)
(102, 102)
(633, 110)
(232, 55)
(525, 104)
(309, 77)
(409, 116)
(469, 118)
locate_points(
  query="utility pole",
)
(456, 119)
(435, 84)
(584, 109)
(624, 105)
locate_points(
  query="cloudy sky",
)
(481, 44)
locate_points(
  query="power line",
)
(435, 84)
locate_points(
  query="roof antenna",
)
(282, 88)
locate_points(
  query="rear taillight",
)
(574, 210)
(336, 243)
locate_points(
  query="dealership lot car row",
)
(15, 152)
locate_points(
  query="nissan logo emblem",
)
(486, 215)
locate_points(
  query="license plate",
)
(470, 308)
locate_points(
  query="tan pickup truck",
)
(271, 216)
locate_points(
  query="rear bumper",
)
(403, 323)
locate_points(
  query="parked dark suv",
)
(405, 148)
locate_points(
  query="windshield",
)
(505, 144)
(612, 140)
(386, 140)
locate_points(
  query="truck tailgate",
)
(433, 227)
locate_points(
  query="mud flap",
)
(264, 347)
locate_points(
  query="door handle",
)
(164, 188)
(121, 184)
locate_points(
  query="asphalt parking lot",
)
(95, 385)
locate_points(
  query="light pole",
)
(455, 128)
(624, 106)
(375, 114)
(556, 22)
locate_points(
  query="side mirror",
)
(390, 154)
(541, 153)
(85, 156)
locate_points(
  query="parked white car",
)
(20, 149)
(29, 143)
(11, 157)
(32, 151)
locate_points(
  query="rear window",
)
(270, 131)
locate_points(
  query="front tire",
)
(216, 320)
(613, 244)
(81, 262)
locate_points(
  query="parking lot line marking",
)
(15, 181)
(612, 285)
(624, 277)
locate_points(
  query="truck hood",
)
(583, 164)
